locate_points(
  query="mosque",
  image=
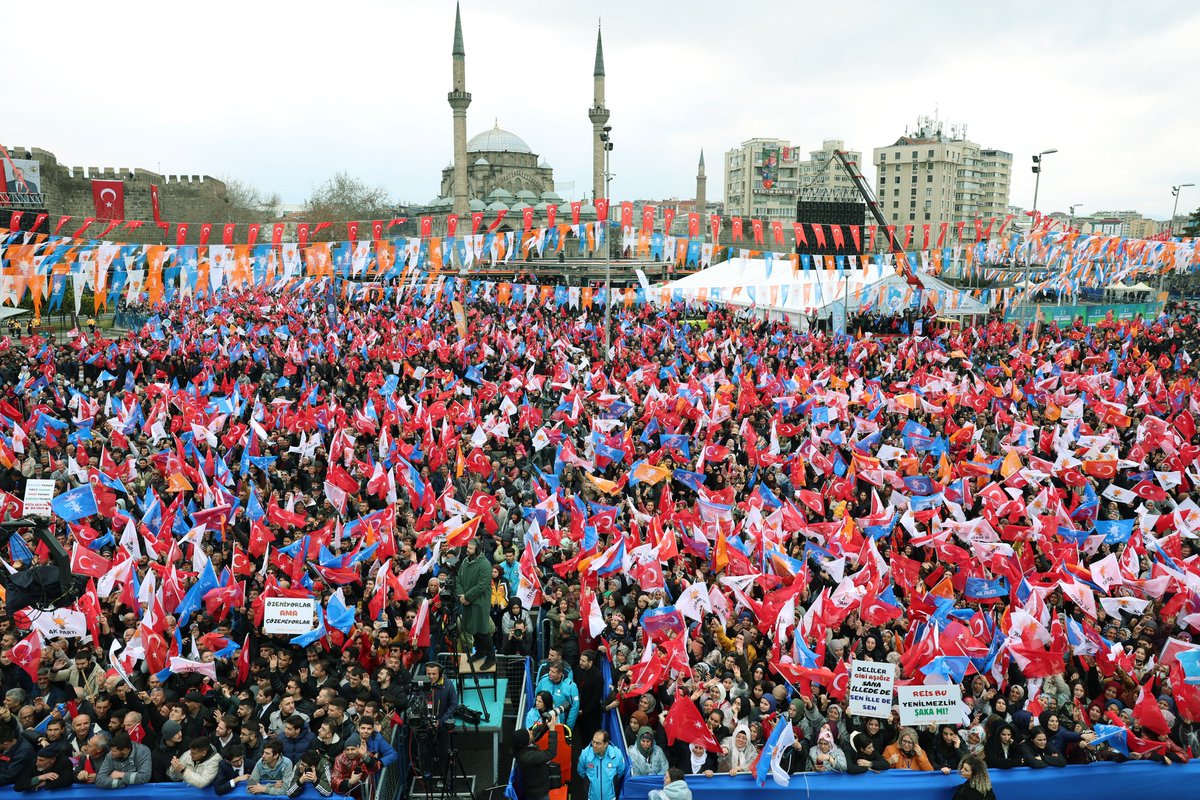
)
(497, 171)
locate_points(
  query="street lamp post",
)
(1175, 192)
(1070, 229)
(1037, 183)
(606, 138)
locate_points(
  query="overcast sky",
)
(285, 94)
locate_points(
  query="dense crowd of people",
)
(728, 511)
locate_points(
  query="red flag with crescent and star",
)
(684, 722)
(109, 199)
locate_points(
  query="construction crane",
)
(864, 189)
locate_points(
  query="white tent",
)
(793, 297)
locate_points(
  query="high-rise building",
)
(761, 179)
(821, 170)
(934, 176)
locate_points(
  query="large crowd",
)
(728, 511)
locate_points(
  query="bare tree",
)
(346, 198)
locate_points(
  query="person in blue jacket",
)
(378, 748)
(603, 765)
(562, 690)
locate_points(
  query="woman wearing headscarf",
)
(863, 756)
(1060, 738)
(1002, 750)
(646, 757)
(825, 755)
(974, 739)
(978, 785)
(738, 752)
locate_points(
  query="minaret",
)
(598, 114)
(701, 185)
(459, 98)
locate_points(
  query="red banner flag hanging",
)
(958, 229)
(227, 233)
(602, 209)
(426, 227)
(987, 232)
(551, 215)
(205, 232)
(61, 221)
(109, 199)
(252, 232)
(669, 213)
(397, 221)
(377, 229)
(496, 222)
(277, 233)
(626, 215)
(37, 222)
(320, 227)
(647, 219)
(857, 237)
(108, 228)
(757, 230)
(925, 236)
(942, 234)
(737, 228)
(575, 206)
(714, 224)
(693, 225)
(302, 230)
(798, 232)
(87, 223)
(156, 207)
(451, 224)
(891, 232)
(819, 235)
(777, 231)
(527, 218)
(181, 229)
(1004, 224)
(14, 221)
(839, 238)
(352, 231)
(476, 221)
(908, 231)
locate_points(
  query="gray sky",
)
(285, 94)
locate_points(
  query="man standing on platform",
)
(474, 593)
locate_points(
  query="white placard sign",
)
(291, 615)
(927, 705)
(38, 494)
(871, 687)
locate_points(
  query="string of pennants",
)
(39, 263)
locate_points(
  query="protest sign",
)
(38, 494)
(289, 615)
(871, 687)
(926, 705)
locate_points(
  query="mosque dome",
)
(497, 140)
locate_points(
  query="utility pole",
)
(1037, 183)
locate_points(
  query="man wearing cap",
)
(51, 770)
(170, 747)
(127, 764)
(198, 719)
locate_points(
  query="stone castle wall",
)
(184, 198)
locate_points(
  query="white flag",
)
(181, 665)
(61, 623)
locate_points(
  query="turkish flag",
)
(242, 565)
(684, 722)
(647, 219)
(86, 562)
(27, 653)
(277, 233)
(645, 676)
(714, 225)
(669, 213)
(777, 231)
(757, 229)
(352, 231)
(1147, 712)
(243, 669)
(108, 197)
(527, 217)
(252, 232)
(1149, 491)
(693, 225)
(426, 226)
(575, 206)
(377, 229)
(420, 627)
(205, 232)
(479, 463)
(602, 209)
(737, 229)
(260, 538)
(451, 224)
(476, 221)
(1105, 469)
(302, 230)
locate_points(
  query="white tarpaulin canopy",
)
(794, 296)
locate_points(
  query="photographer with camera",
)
(517, 630)
(536, 763)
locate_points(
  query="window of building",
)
(912, 217)
(883, 157)
(914, 178)
(927, 215)
(929, 178)
(931, 154)
(914, 155)
(895, 205)
(897, 179)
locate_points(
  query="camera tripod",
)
(437, 769)
(451, 633)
